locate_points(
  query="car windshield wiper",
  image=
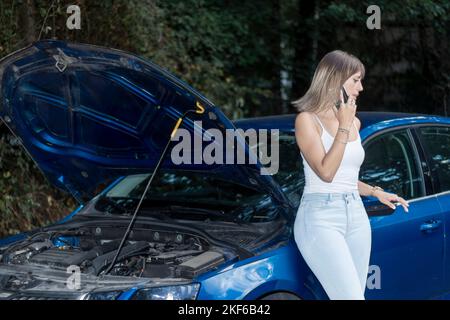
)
(164, 212)
(110, 201)
(177, 208)
(173, 209)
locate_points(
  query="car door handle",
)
(430, 225)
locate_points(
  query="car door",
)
(407, 248)
(435, 140)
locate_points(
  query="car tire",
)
(280, 296)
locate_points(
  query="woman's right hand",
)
(346, 112)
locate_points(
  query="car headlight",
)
(179, 292)
(103, 295)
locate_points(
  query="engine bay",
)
(147, 253)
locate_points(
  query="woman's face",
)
(353, 85)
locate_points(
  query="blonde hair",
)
(331, 73)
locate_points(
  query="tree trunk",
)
(305, 47)
(275, 41)
(27, 18)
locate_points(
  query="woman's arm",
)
(364, 189)
(384, 197)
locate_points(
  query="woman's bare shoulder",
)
(305, 119)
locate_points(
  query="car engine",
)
(147, 253)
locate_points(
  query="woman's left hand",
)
(390, 199)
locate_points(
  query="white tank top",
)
(346, 178)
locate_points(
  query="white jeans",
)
(333, 234)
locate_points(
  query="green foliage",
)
(27, 201)
(219, 47)
(407, 61)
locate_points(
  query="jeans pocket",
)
(317, 203)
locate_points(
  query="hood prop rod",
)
(200, 109)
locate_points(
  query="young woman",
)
(332, 229)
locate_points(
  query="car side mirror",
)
(375, 208)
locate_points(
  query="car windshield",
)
(186, 192)
(219, 199)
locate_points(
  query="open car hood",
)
(88, 115)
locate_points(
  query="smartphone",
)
(345, 95)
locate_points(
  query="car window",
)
(390, 162)
(290, 172)
(436, 141)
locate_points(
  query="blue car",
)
(98, 123)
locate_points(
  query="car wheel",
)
(280, 296)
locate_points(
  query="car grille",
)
(27, 297)
(42, 296)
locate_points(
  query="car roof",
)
(286, 122)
